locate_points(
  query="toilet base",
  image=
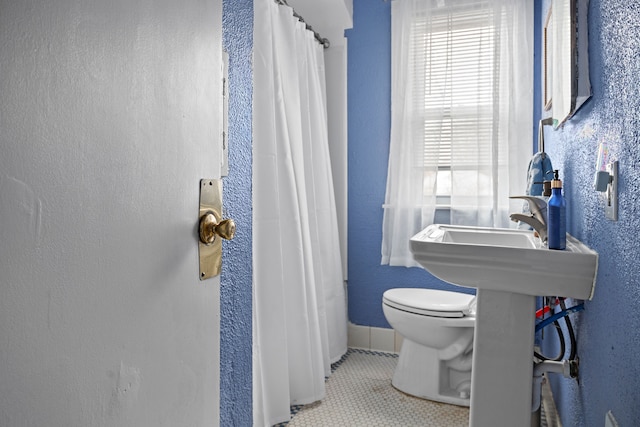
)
(421, 373)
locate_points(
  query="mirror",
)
(566, 55)
(547, 65)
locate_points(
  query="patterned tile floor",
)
(359, 393)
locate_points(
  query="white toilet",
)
(437, 327)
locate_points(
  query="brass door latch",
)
(212, 228)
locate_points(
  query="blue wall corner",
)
(369, 110)
(539, 19)
(235, 288)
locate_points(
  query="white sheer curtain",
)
(462, 108)
(299, 307)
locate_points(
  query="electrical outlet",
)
(609, 421)
(611, 206)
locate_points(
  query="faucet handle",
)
(536, 205)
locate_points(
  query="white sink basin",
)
(506, 260)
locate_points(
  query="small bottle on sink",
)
(556, 215)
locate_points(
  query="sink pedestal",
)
(502, 374)
(509, 268)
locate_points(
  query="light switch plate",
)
(611, 206)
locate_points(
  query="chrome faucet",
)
(537, 219)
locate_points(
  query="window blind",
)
(453, 56)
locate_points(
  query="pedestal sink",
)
(509, 268)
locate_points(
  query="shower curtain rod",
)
(322, 40)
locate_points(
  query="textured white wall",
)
(109, 116)
(336, 74)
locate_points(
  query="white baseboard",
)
(372, 338)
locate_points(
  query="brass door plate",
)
(210, 202)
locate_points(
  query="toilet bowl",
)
(436, 355)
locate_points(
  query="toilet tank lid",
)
(429, 299)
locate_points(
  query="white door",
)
(110, 115)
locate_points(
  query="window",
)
(462, 76)
(454, 61)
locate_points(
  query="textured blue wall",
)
(236, 281)
(369, 109)
(609, 329)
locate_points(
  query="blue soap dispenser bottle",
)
(556, 216)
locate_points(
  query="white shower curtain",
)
(299, 307)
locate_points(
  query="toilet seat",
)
(428, 302)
